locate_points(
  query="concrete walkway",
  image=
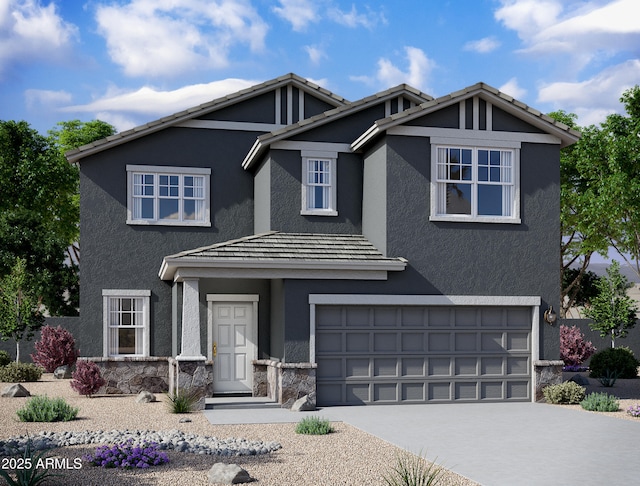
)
(501, 444)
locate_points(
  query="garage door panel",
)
(422, 354)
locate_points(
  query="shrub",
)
(86, 379)
(55, 348)
(412, 470)
(600, 402)
(128, 456)
(620, 361)
(5, 359)
(184, 401)
(609, 379)
(314, 426)
(20, 372)
(33, 473)
(567, 392)
(41, 408)
(634, 410)
(574, 349)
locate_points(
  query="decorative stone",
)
(13, 391)
(145, 397)
(221, 473)
(184, 420)
(579, 379)
(306, 403)
(62, 372)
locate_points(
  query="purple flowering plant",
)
(128, 455)
(634, 410)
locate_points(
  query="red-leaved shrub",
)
(86, 379)
(574, 350)
(55, 348)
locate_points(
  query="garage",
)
(375, 353)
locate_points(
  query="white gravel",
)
(346, 457)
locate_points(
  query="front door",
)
(233, 345)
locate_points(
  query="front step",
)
(239, 403)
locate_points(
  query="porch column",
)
(190, 347)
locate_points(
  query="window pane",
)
(319, 197)
(495, 174)
(483, 173)
(458, 198)
(126, 341)
(190, 209)
(168, 209)
(489, 200)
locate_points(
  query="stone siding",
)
(132, 375)
(194, 376)
(284, 382)
(546, 373)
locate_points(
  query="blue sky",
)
(128, 62)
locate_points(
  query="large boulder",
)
(16, 390)
(221, 473)
(306, 403)
(145, 397)
(62, 372)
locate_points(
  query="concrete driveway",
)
(510, 444)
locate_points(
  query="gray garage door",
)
(422, 354)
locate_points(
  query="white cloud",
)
(316, 54)
(171, 37)
(31, 32)
(596, 97)
(528, 16)
(483, 46)
(43, 98)
(125, 109)
(389, 75)
(355, 19)
(512, 88)
(299, 13)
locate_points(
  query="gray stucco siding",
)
(447, 117)
(121, 256)
(503, 121)
(259, 109)
(314, 106)
(286, 196)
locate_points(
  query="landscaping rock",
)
(145, 397)
(13, 391)
(579, 379)
(305, 404)
(221, 473)
(62, 372)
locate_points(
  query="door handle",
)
(215, 349)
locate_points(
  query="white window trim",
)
(180, 171)
(125, 293)
(332, 210)
(492, 145)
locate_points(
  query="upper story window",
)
(319, 186)
(168, 195)
(475, 184)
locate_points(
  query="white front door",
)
(233, 345)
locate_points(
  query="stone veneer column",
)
(190, 345)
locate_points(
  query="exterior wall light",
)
(550, 316)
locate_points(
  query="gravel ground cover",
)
(347, 456)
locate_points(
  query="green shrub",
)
(609, 379)
(620, 361)
(184, 401)
(41, 408)
(5, 359)
(314, 426)
(20, 372)
(600, 402)
(412, 470)
(567, 392)
(32, 471)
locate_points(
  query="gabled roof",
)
(203, 109)
(277, 255)
(505, 102)
(264, 141)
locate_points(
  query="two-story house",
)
(284, 240)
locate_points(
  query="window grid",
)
(318, 184)
(126, 326)
(168, 197)
(470, 180)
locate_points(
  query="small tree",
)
(613, 312)
(574, 349)
(20, 314)
(55, 348)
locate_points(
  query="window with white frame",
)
(475, 183)
(319, 186)
(168, 195)
(126, 322)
